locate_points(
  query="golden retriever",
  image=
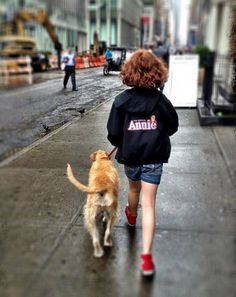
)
(102, 197)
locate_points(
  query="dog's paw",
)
(98, 253)
(108, 242)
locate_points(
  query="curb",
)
(46, 137)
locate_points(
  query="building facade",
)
(162, 27)
(199, 13)
(210, 24)
(147, 26)
(117, 22)
(69, 18)
(218, 26)
(156, 22)
(216, 20)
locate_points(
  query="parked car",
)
(40, 62)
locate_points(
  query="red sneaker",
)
(130, 218)
(147, 265)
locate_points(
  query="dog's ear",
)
(93, 156)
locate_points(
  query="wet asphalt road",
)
(30, 104)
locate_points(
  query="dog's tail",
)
(78, 184)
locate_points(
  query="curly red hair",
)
(144, 70)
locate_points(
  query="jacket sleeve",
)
(115, 126)
(169, 116)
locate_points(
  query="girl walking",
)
(139, 125)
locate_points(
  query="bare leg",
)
(148, 215)
(133, 195)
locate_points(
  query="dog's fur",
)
(102, 197)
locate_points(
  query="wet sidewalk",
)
(45, 250)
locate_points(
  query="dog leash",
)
(113, 150)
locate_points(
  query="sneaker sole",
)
(131, 225)
(148, 272)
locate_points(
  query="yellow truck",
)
(18, 51)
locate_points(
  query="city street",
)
(45, 250)
(45, 247)
(41, 100)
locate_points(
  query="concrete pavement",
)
(45, 250)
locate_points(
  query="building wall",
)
(131, 12)
(198, 21)
(218, 26)
(210, 21)
(118, 25)
(69, 19)
(166, 21)
(67, 16)
(148, 26)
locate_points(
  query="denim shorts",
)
(150, 173)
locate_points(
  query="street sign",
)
(182, 85)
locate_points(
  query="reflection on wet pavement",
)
(13, 81)
(16, 80)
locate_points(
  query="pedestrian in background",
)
(139, 125)
(162, 51)
(108, 55)
(69, 59)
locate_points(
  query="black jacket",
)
(139, 124)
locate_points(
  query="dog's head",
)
(99, 155)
